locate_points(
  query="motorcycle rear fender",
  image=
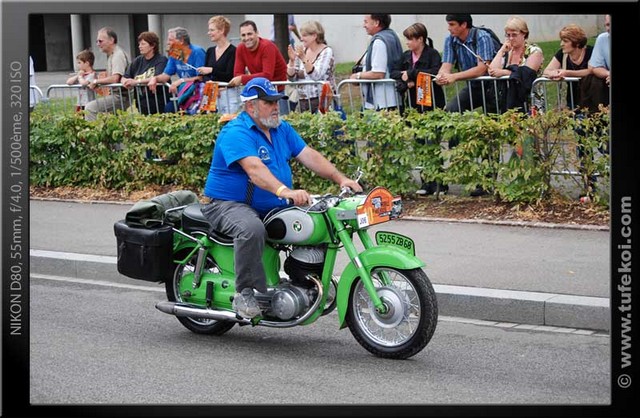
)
(382, 256)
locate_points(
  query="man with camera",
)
(382, 56)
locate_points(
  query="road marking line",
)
(97, 283)
(74, 256)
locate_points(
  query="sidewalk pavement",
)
(550, 277)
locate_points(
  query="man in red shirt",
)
(257, 57)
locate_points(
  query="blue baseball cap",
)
(261, 88)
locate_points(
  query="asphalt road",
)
(105, 343)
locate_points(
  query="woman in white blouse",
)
(313, 60)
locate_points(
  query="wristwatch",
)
(358, 76)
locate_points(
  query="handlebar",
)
(344, 191)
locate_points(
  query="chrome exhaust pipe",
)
(181, 309)
(192, 311)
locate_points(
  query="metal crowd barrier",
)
(348, 97)
(61, 98)
(299, 88)
(35, 96)
(540, 84)
(551, 93)
(228, 98)
(353, 102)
(568, 83)
(483, 80)
(349, 104)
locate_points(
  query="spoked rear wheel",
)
(172, 287)
(411, 313)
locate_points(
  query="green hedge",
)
(511, 154)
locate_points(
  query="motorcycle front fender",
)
(381, 256)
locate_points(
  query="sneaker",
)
(478, 191)
(245, 304)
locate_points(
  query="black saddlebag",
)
(144, 253)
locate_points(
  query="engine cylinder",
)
(304, 261)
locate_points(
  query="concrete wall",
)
(57, 37)
(197, 26)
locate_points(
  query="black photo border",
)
(15, 199)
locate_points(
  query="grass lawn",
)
(549, 49)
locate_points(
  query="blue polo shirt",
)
(196, 59)
(242, 138)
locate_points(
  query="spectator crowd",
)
(498, 73)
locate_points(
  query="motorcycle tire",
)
(411, 317)
(197, 325)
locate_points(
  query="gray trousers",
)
(241, 222)
(106, 104)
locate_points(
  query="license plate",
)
(397, 240)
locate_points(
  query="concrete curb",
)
(500, 305)
(510, 223)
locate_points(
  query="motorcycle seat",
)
(194, 221)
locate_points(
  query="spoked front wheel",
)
(410, 317)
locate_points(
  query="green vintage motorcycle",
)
(382, 294)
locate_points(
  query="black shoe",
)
(427, 188)
(478, 191)
(444, 188)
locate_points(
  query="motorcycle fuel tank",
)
(295, 225)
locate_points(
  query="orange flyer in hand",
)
(423, 89)
(179, 51)
(209, 97)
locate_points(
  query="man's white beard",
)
(267, 122)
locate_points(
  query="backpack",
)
(497, 43)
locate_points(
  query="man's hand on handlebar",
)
(351, 184)
(299, 197)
